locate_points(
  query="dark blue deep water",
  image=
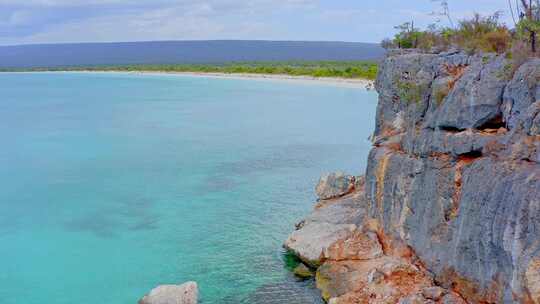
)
(115, 183)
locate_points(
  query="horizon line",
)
(187, 40)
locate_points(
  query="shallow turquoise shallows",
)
(115, 183)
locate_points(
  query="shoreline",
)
(365, 83)
(348, 82)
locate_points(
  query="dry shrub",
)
(497, 41)
(477, 34)
(482, 34)
(456, 71)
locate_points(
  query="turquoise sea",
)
(115, 183)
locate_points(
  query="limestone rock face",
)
(356, 264)
(521, 103)
(449, 210)
(462, 188)
(476, 96)
(334, 185)
(186, 293)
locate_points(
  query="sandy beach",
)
(365, 83)
(348, 82)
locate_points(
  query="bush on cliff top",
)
(478, 34)
(473, 35)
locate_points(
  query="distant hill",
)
(177, 52)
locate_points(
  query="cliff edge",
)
(449, 210)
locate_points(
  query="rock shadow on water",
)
(279, 157)
(124, 215)
(9, 225)
(140, 212)
(219, 183)
(147, 223)
(99, 224)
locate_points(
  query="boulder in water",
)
(186, 293)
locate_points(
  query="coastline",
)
(355, 82)
(348, 82)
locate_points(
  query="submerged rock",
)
(302, 271)
(186, 293)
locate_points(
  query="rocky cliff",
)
(449, 210)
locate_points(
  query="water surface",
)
(115, 183)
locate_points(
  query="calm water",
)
(115, 183)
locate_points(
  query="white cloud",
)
(30, 3)
(189, 21)
(19, 18)
(223, 3)
(128, 20)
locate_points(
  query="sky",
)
(61, 21)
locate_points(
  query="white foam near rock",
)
(186, 293)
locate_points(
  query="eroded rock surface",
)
(186, 293)
(334, 185)
(450, 212)
(332, 222)
(462, 188)
(356, 263)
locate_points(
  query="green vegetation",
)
(477, 34)
(528, 26)
(338, 69)
(410, 91)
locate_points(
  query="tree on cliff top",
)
(407, 37)
(444, 12)
(476, 34)
(528, 26)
